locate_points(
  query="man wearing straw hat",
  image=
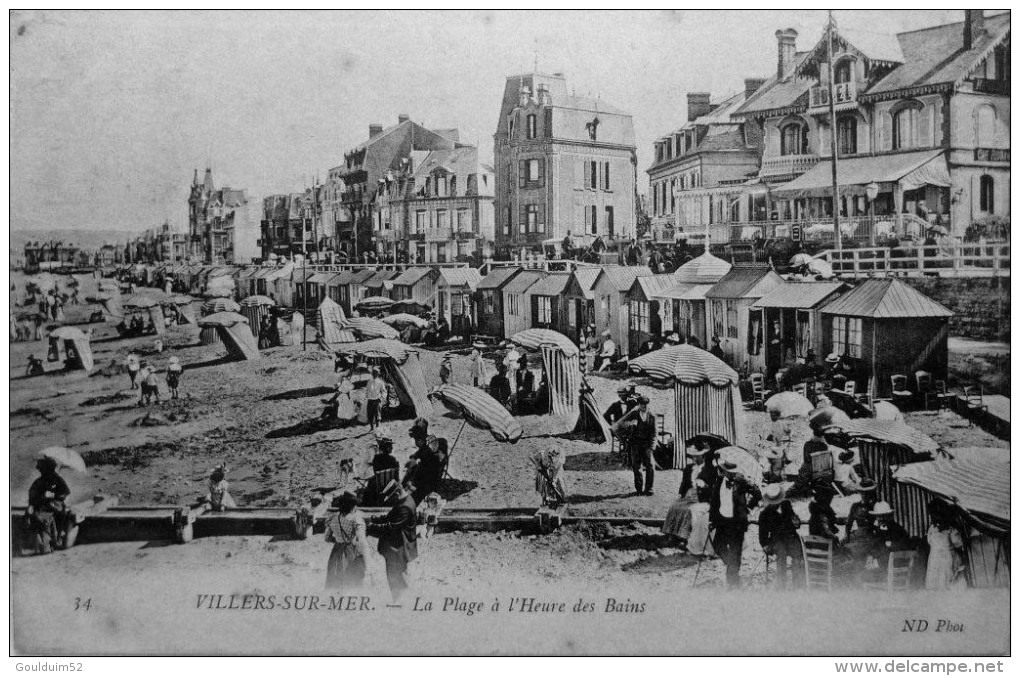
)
(777, 534)
(397, 537)
(732, 499)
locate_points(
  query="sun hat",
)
(774, 494)
(831, 358)
(881, 508)
(846, 456)
(728, 466)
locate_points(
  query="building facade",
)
(921, 121)
(564, 165)
(288, 225)
(222, 226)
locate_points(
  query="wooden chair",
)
(758, 392)
(925, 386)
(899, 572)
(817, 562)
(819, 391)
(900, 393)
(850, 387)
(941, 395)
(974, 400)
(801, 389)
(822, 467)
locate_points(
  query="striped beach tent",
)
(232, 329)
(214, 305)
(366, 328)
(885, 444)
(561, 360)
(479, 410)
(148, 302)
(401, 367)
(185, 305)
(706, 394)
(331, 333)
(255, 308)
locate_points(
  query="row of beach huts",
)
(763, 320)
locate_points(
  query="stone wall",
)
(980, 304)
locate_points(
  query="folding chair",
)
(899, 571)
(817, 562)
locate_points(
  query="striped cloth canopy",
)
(533, 339)
(563, 371)
(367, 328)
(214, 305)
(746, 462)
(891, 432)
(788, 404)
(329, 324)
(480, 410)
(222, 319)
(402, 319)
(180, 299)
(687, 364)
(139, 300)
(977, 485)
(378, 347)
(257, 300)
(375, 303)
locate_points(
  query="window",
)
(510, 124)
(839, 335)
(672, 196)
(984, 127)
(987, 185)
(843, 71)
(509, 220)
(803, 332)
(906, 123)
(754, 330)
(605, 176)
(442, 218)
(513, 304)
(531, 220)
(420, 221)
(609, 222)
(854, 338)
(638, 316)
(593, 175)
(793, 139)
(846, 135)
(594, 211)
(453, 186)
(732, 330)
(572, 313)
(531, 173)
(532, 129)
(655, 200)
(544, 304)
(488, 302)
(463, 220)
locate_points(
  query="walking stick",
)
(701, 558)
(449, 454)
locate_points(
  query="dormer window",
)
(532, 126)
(510, 125)
(793, 139)
(906, 125)
(843, 72)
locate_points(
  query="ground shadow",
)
(649, 541)
(581, 499)
(218, 361)
(299, 393)
(592, 462)
(451, 489)
(158, 544)
(661, 564)
(304, 428)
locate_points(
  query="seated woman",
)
(687, 519)
(219, 491)
(47, 511)
(844, 474)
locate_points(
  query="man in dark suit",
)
(732, 499)
(617, 410)
(642, 442)
(397, 536)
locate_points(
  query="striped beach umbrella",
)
(684, 363)
(257, 300)
(374, 304)
(214, 305)
(366, 328)
(479, 410)
(533, 339)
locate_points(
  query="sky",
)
(111, 113)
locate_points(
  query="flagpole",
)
(837, 235)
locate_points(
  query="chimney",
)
(374, 130)
(402, 118)
(751, 85)
(698, 105)
(973, 27)
(787, 40)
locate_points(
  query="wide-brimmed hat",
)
(673, 338)
(623, 388)
(696, 452)
(174, 360)
(644, 400)
(846, 456)
(773, 494)
(478, 346)
(831, 358)
(728, 466)
(606, 334)
(881, 508)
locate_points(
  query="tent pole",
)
(449, 453)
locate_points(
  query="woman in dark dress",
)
(346, 530)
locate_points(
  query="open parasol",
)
(180, 299)
(714, 441)
(747, 464)
(800, 259)
(214, 305)
(827, 415)
(374, 304)
(686, 363)
(64, 457)
(226, 319)
(819, 267)
(789, 404)
(257, 300)
(480, 410)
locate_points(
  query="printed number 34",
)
(83, 605)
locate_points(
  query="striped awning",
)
(257, 300)
(534, 339)
(480, 410)
(891, 432)
(686, 364)
(978, 486)
(367, 328)
(214, 305)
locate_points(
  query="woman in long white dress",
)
(345, 411)
(944, 558)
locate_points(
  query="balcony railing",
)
(844, 92)
(438, 234)
(991, 154)
(862, 229)
(986, 86)
(787, 164)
